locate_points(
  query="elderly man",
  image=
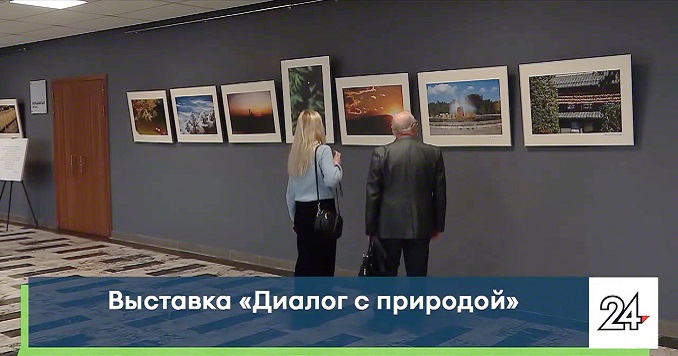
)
(406, 198)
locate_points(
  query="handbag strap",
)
(317, 190)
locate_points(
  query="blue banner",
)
(316, 312)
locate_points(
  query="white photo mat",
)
(194, 92)
(324, 62)
(244, 88)
(398, 79)
(146, 95)
(499, 73)
(574, 66)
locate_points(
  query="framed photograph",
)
(367, 105)
(251, 112)
(465, 107)
(578, 102)
(149, 115)
(196, 114)
(10, 120)
(306, 85)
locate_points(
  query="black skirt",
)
(316, 254)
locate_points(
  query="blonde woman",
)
(315, 255)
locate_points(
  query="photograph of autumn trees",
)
(586, 102)
(369, 110)
(464, 107)
(251, 112)
(149, 116)
(306, 91)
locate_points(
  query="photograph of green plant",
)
(306, 86)
(306, 91)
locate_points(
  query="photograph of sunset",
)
(370, 109)
(251, 112)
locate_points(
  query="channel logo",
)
(623, 313)
(623, 316)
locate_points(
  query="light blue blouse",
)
(302, 188)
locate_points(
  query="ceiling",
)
(23, 24)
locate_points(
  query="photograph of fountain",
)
(466, 107)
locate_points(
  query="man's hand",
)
(435, 235)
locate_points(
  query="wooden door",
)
(81, 157)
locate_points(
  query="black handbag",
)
(374, 261)
(327, 223)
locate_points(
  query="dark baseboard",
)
(671, 343)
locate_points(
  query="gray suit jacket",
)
(406, 197)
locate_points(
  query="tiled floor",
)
(26, 252)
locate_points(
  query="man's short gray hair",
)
(402, 122)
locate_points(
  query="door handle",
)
(82, 163)
(72, 164)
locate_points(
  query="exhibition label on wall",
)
(343, 316)
(38, 96)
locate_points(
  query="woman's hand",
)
(336, 157)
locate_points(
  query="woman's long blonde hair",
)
(310, 133)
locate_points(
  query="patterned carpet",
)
(26, 252)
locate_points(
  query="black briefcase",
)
(374, 260)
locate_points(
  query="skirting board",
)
(668, 328)
(221, 253)
(25, 220)
(208, 251)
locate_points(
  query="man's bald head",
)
(403, 123)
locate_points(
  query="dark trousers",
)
(316, 255)
(415, 254)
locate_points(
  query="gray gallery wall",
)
(512, 211)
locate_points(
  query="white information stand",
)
(12, 159)
(12, 163)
